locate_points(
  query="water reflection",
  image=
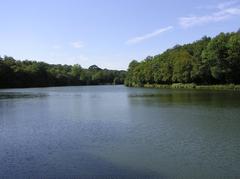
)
(67, 164)
(13, 95)
(186, 97)
(118, 131)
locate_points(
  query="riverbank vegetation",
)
(231, 87)
(15, 73)
(207, 62)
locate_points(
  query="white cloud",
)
(62, 57)
(77, 44)
(80, 59)
(227, 4)
(224, 11)
(222, 5)
(56, 46)
(148, 36)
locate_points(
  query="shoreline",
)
(228, 87)
(4, 88)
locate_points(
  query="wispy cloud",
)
(77, 44)
(221, 5)
(223, 11)
(80, 59)
(56, 46)
(227, 4)
(139, 39)
(63, 57)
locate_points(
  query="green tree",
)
(206, 61)
(233, 59)
(182, 67)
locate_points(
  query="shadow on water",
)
(14, 95)
(119, 133)
(83, 165)
(187, 97)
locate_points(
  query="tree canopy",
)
(16, 73)
(206, 61)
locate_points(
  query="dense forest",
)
(205, 62)
(208, 61)
(15, 73)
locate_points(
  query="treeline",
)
(15, 73)
(206, 62)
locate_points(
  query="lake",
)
(100, 131)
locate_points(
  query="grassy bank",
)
(231, 87)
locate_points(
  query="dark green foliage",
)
(26, 73)
(207, 61)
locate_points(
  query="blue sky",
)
(108, 33)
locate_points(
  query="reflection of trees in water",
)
(202, 98)
(9, 95)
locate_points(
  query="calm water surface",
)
(120, 132)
